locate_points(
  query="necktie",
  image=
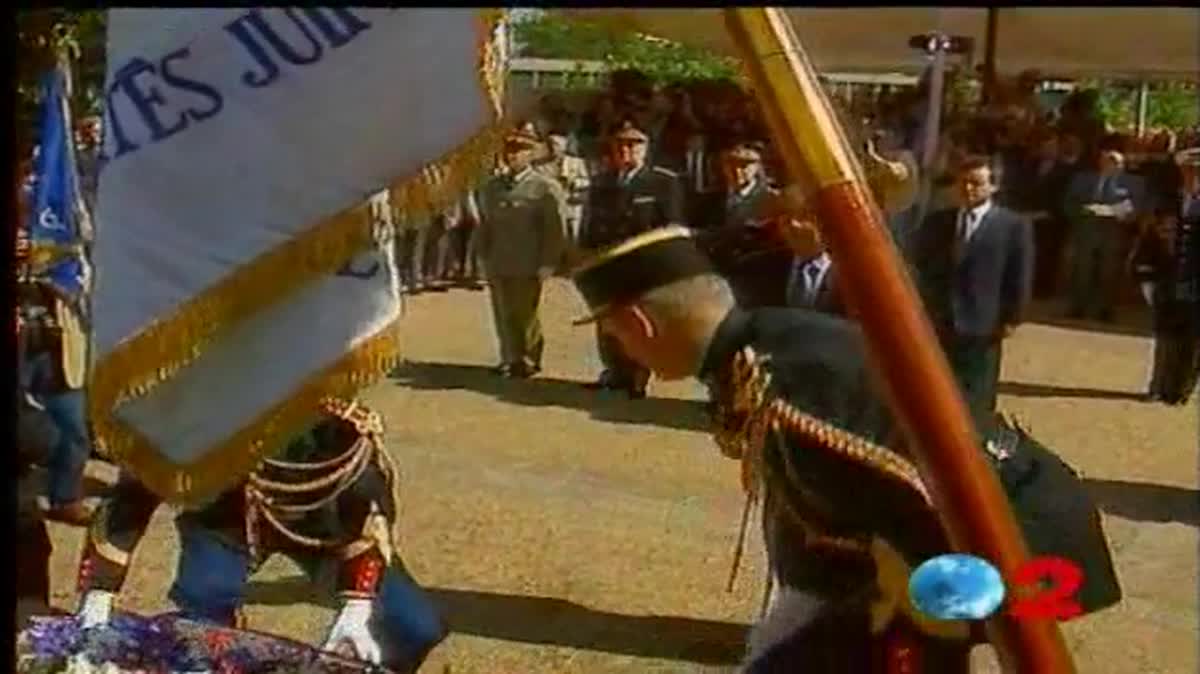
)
(812, 274)
(698, 169)
(964, 227)
(1101, 188)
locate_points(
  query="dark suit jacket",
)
(976, 291)
(1082, 191)
(827, 300)
(742, 249)
(653, 198)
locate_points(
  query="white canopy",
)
(1150, 43)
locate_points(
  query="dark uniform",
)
(619, 207)
(736, 236)
(846, 517)
(327, 502)
(1171, 267)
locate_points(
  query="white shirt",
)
(970, 219)
(805, 279)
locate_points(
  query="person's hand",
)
(800, 234)
(351, 631)
(95, 609)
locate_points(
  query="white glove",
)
(351, 627)
(95, 608)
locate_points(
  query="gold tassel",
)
(155, 354)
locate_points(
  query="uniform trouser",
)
(1049, 240)
(210, 585)
(432, 251)
(515, 303)
(406, 247)
(69, 455)
(620, 371)
(1095, 266)
(1176, 357)
(462, 251)
(976, 365)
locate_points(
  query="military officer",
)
(738, 235)
(328, 502)
(571, 173)
(521, 239)
(627, 198)
(846, 515)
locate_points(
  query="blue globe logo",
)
(956, 587)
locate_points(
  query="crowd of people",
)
(1084, 214)
(1015, 204)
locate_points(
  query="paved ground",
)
(562, 533)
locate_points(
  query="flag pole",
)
(901, 342)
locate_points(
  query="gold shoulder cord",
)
(335, 475)
(742, 427)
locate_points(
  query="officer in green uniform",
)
(628, 198)
(846, 515)
(521, 240)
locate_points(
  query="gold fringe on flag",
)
(159, 351)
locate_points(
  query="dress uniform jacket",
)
(225, 541)
(652, 197)
(836, 483)
(522, 225)
(743, 250)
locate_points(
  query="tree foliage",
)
(1174, 105)
(553, 37)
(43, 35)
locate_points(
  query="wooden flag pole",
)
(973, 508)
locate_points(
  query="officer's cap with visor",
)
(622, 273)
(628, 132)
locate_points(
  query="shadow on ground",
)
(1027, 390)
(1145, 502)
(1131, 319)
(687, 415)
(550, 621)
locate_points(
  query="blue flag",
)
(57, 209)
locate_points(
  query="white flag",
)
(240, 272)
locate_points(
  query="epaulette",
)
(665, 172)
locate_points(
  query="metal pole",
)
(1143, 104)
(921, 391)
(989, 55)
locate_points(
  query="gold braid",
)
(751, 412)
(334, 477)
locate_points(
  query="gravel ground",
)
(562, 532)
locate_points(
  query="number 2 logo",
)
(1045, 587)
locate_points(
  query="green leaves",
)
(553, 37)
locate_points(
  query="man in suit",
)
(1043, 180)
(629, 197)
(975, 263)
(571, 173)
(1100, 205)
(737, 232)
(812, 283)
(521, 239)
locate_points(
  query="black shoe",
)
(520, 371)
(502, 369)
(636, 392)
(602, 383)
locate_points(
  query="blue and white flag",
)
(57, 214)
(242, 272)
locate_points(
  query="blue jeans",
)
(70, 454)
(210, 584)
